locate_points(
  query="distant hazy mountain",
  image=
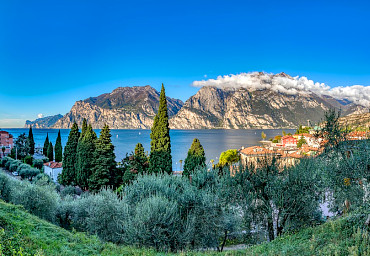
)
(45, 122)
(124, 108)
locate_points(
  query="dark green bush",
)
(28, 160)
(38, 163)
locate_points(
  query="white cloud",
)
(40, 115)
(289, 85)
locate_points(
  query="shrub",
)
(14, 165)
(65, 211)
(38, 200)
(28, 160)
(43, 179)
(105, 216)
(8, 163)
(38, 163)
(6, 185)
(156, 222)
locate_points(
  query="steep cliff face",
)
(124, 108)
(241, 108)
(44, 122)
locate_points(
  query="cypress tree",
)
(105, 163)
(160, 152)
(85, 157)
(84, 127)
(196, 158)
(31, 141)
(58, 149)
(46, 145)
(50, 152)
(139, 150)
(68, 175)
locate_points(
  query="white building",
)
(53, 169)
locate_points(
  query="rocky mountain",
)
(356, 120)
(123, 108)
(44, 122)
(237, 107)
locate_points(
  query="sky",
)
(53, 53)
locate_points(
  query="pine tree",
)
(58, 149)
(50, 153)
(139, 150)
(68, 176)
(160, 152)
(105, 163)
(31, 141)
(196, 158)
(85, 157)
(46, 145)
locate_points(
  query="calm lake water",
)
(213, 141)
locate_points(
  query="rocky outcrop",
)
(44, 122)
(240, 108)
(124, 108)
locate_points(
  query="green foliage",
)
(301, 130)
(195, 159)
(68, 175)
(104, 168)
(38, 163)
(276, 139)
(3, 149)
(22, 146)
(50, 154)
(229, 157)
(160, 152)
(301, 141)
(58, 149)
(28, 160)
(331, 130)
(31, 142)
(46, 145)
(263, 135)
(85, 157)
(83, 127)
(134, 164)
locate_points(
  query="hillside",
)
(33, 236)
(123, 108)
(361, 121)
(44, 122)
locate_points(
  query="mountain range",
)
(267, 105)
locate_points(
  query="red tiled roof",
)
(256, 150)
(53, 165)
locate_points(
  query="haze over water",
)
(213, 141)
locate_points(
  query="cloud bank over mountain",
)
(290, 85)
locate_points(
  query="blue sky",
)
(53, 53)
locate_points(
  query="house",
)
(310, 139)
(53, 169)
(289, 141)
(6, 141)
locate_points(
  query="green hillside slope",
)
(25, 233)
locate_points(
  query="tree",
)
(160, 152)
(85, 157)
(229, 157)
(68, 175)
(84, 127)
(105, 163)
(46, 145)
(3, 149)
(22, 146)
(196, 158)
(50, 153)
(331, 130)
(58, 149)
(31, 141)
(301, 141)
(135, 164)
(263, 135)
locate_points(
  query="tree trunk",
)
(223, 243)
(270, 229)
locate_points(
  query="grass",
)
(24, 234)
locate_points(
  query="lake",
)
(213, 141)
